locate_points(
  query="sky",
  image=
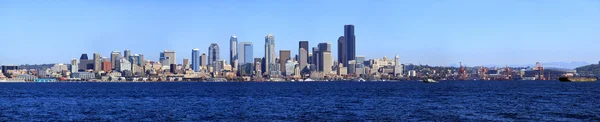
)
(433, 32)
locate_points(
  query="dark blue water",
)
(315, 101)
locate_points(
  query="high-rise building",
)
(196, 60)
(186, 63)
(126, 54)
(341, 55)
(323, 48)
(303, 54)
(269, 51)
(245, 58)
(97, 62)
(397, 66)
(233, 55)
(169, 56)
(136, 59)
(85, 64)
(315, 59)
(284, 56)
(213, 54)
(360, 65)
(245, 51)
(114, 55)
(106, 66)
(74, 65)
(350, 42)
(123, 65)
(327, 62)
(203, 60)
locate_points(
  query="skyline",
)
(472, 32)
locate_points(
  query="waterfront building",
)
(327, 62)
(290, 67)
(233, 55)
(114, 55)
(196, 60)
(74, 65)
(123, 65)
(360, 65)
(245, 58)
(270, 52)
(397, 66)
(352, 67)
(303, 55)
(83, 75)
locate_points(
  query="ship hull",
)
(576, 79)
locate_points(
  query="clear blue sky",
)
(435, 32)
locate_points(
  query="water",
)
(315, 101)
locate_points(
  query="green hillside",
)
(592, 69)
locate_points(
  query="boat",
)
(577, 79)
(308, 79)
(360, 80)
(429, 80)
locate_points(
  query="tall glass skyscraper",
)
(303, 54)
(233, 42)
(196, 60)
(269, 52)
(244, 51)
(350, 45)
(213, 54)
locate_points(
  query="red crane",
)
(507, 73)
(483, 73)
(463, 74)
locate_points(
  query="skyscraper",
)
(114, 55)
(85, 63)
(245, 58)
(269, 52)
(213, 54)
(341, 55)
(350, 42)
(245, 51)
(203, 60)
(397, 66)
(233, 55)
(97, 62)
(324, 61)
(186, 63)
(74, 65)
(169, 55)
(303, 54)
(284, 55)
(315, 59)
(126, 54)
(196, 60)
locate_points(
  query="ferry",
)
(429, 80)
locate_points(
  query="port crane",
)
(507, 73)
(483, 73)
(463, 73)
(539, 71)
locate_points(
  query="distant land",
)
(559, 65)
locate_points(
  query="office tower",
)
(85, 63)
(397, 66)
(284, 56)
(326, 62)
(341, 55)
(244, 53)
(245, 58)
(315, 59)
(74, 65)
(97, 62)
(303, 54)
(203, 60)
(257, 67)
(213, 54)
(106, 65)
(141, 60)
(170, 56)
(114, 55)
(350, 42)
(123, 64)
(323, 48)
(351, 66)
(126, 54)
(196, 60)
(233, 55)
(360, 65)
(136, 59)
(186, 63)
(269, 51)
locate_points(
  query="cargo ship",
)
(577, 79)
